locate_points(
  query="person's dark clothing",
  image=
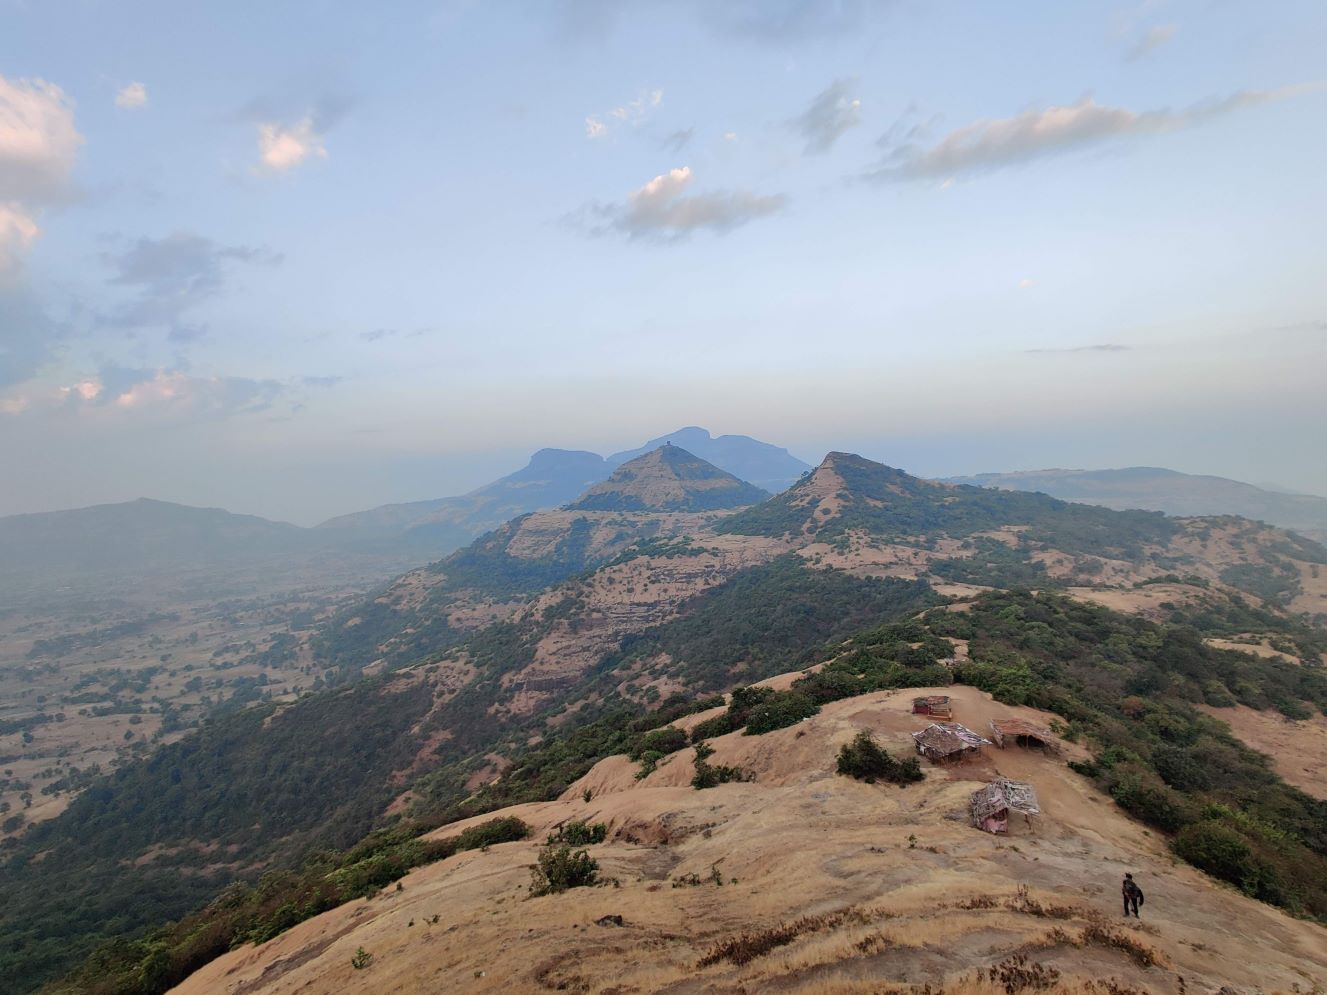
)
(1133, 897)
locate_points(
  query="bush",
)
(778, 711)
(560, 868)
(1216, 848)
(507, 829)
(579, 833)
(864, 759)
(663, 741)
(709, 775)
(720, 725)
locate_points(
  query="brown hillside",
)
(880, 885)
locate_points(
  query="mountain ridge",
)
(1170, 491)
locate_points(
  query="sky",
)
(304, 258)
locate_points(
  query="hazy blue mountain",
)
(1156, 489)
(551, 478)
(138, 534)
(760, 463)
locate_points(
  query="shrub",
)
(864, 759)
(720, 725)
(1216, 848)
(709, 775)
(778, 711)
(579, 833)
(503, 830)
(560, 868)
(663, 741)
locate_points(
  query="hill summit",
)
(770, 467)
(668, 479)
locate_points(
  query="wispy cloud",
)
(631, 113)
(172, 276)
(662, 209)
(18, 230)
(28, 335)
(131, 96)
(768, 22)
(1103, 347)
(1149, 41)
(784, 22)
(153, 392)
(678, 140)
(996, 143)
(834, 111)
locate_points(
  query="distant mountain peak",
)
(767, 466)
(669, 478)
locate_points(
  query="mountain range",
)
(1157, 489)
(151, 541)
(505, 672)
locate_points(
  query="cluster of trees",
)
(768, 620)
(260, 787)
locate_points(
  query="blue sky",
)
(301, 258)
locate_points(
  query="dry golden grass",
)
(829, 885)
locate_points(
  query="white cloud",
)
(38, 141)
(38, 144)
(661, 209)
(131, 96)
(281, 148)
(167, 393)
(17, 233)
(1149, 41)
(834, 111)
(995, 143)
(1026, 283)
(632, 113)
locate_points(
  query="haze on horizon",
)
(297, 260)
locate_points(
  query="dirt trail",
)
(909, 891)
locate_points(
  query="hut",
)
(933, 704)
(1019, 732)
(944, 742)
(992, 804)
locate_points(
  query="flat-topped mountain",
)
(1156, 489)
(668, 479)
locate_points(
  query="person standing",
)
(1133, 896)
